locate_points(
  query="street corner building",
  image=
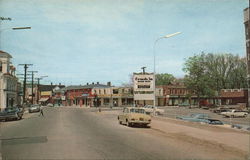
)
(247, 35)
(9, 85)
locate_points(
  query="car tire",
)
(127, 123)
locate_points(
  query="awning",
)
(43, 99)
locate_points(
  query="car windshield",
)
(194, 115)
(35, 105)
(135, 110)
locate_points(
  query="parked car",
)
(134, 116)
(213, 122)
(50, 105)
(34, 108)
(220, 109)
(234, 113)
(195, 117)
(153, 109)
(11, 113)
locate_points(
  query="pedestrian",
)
(41, 112)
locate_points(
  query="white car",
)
(234, 113)
(153, 110)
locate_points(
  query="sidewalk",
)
(193, 132)
(221, 137)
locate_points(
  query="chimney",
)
(51, 84)
(109, 84)
(59, 84)
(87, 84)
(97, 82)
(93, 83)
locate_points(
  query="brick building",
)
(175, 94)
(233, 96)
(83, 95)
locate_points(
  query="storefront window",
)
(115, 91)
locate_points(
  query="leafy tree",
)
(209, 73)
(164, 79)
(197, 80)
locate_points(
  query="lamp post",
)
(166, 36)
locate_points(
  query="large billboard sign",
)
(143, 86)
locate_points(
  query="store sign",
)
(143, 86)
(46, 93)
(63, 98)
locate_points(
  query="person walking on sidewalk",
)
(41, 112)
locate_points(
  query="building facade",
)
(247, 33)
(83, 95)
(234, 97)
(9, 89)
(113, 96)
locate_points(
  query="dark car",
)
(11, 113)
(214, 122)
(34, 108)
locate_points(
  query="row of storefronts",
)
(106, 95)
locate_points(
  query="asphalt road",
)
(75, 133)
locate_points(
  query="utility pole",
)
(24, 81)
(32, 86)
(38, 86)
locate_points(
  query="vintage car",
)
(134, 116)
(34, 108)
(11, 113)
(195, 117)
(213, 121)
(234, 113)
(153, 110)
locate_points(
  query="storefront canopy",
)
(43, 99)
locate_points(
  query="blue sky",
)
(80, 41)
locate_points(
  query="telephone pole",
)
(24, 81)
(38, 86)
(32, 85)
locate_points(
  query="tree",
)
(197, 80)
(164, 79)
(208, 73)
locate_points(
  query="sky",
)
(78, 41)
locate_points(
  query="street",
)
(77, 133)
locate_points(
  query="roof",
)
(87, 86)
(49, 87)
(4, 54)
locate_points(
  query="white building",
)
(8, 82)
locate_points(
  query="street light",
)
(166, 36)
(20, 28)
